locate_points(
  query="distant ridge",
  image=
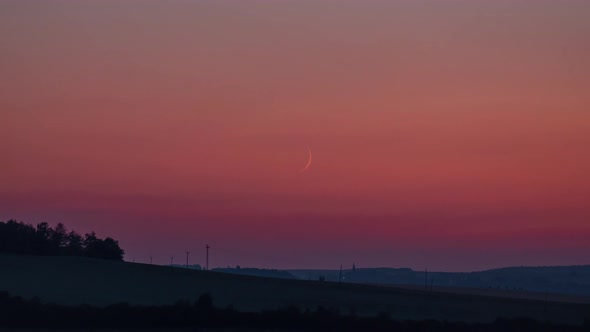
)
(573, 280)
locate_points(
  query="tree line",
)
(43, 240)
(17, 312)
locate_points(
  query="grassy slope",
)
(72, 280)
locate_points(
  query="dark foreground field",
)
(75, 281)
(202, 315)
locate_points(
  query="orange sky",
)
(447, 134)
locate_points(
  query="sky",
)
(449, 135)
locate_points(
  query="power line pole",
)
(188, 252)
(207, 257)
(340, 275)
(171, 260)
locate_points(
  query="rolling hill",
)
(75, 280)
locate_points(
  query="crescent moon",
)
(308, 162)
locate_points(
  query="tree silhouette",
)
(58, 237)
(74, 244)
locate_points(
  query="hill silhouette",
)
(76, 280)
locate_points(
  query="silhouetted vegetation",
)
(18, 312)
(20, 238)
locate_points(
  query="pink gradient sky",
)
(452, 135)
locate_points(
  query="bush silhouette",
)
(204, 302)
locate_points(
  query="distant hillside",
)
(192, 266)
(552, 279)
(268, 273)
(74, 280)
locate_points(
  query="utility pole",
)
(340, 275)
(171, 260)
(188, 252)
(207, 257)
